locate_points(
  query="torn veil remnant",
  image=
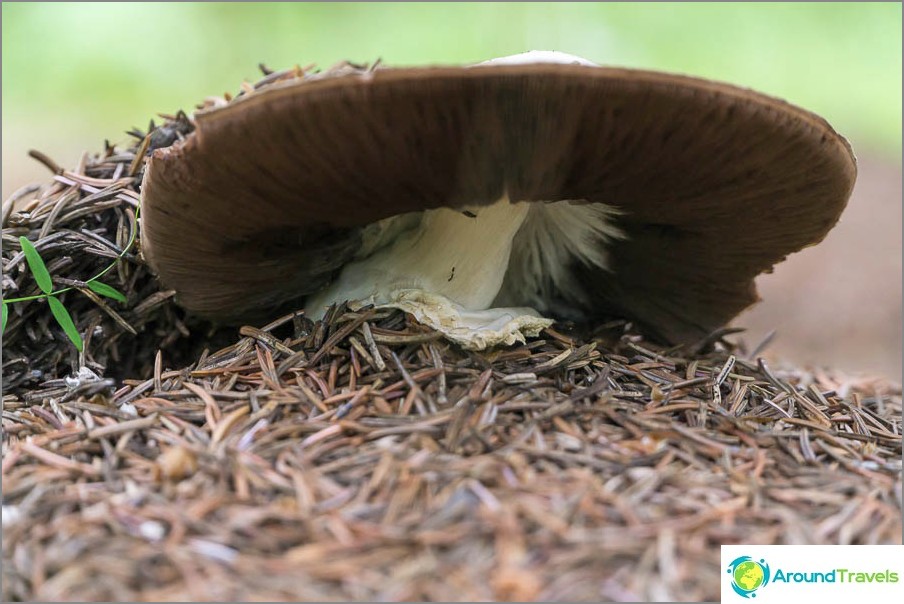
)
(483, 199)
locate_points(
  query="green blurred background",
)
(75, 74)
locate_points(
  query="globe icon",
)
(748, 575)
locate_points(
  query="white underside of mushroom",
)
(451, 268)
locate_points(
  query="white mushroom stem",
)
(445, 272)
(448, 267)
(459, 254)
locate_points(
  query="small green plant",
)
(45, 284)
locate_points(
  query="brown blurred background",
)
(75, 74)
(839, 303)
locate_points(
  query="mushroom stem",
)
(472, 272)
(460, 254)
(446, 272)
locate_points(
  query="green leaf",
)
(105, 290)
(37, 266)
(65, 320)
(5, 317)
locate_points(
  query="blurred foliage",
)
(76, 73)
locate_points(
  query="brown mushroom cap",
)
(264, 203)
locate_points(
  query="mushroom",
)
(489, 200)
